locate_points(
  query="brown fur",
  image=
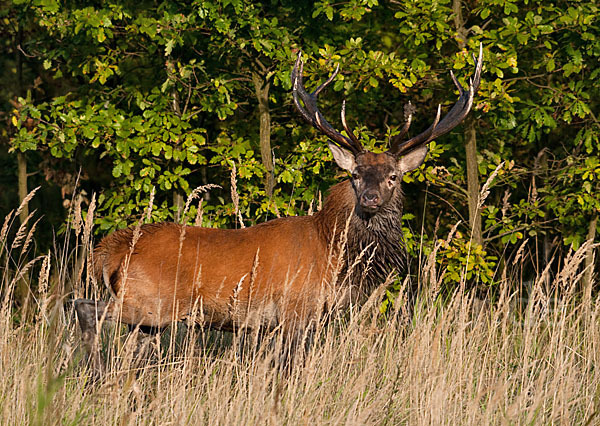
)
(283, 271)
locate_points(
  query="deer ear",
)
(343, 157)
(413, 159)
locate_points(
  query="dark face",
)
(376, 177)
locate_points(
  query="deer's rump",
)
(255, 276)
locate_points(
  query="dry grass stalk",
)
(520, 251)
(43, 286)
(26, 200)
(89, 221)
(235, 196)
(150, 204)
(8, 288)
(77, 220)
(193, 195)
(483, 194)
(429, 275)
(277, 213)
(29, 238)
(5, 226)
(23, 271)
(199, 213)
(20, 236)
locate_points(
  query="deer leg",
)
(144, 337)
(88, 313)
(296, 345)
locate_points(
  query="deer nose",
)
(370, 199)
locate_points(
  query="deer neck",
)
(376, 241)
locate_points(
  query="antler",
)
(458, 112)
(311, 112)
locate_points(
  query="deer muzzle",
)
(370, 201)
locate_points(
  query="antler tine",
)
(409, 110)
(326, 83)
(310, 112)
(347, 129)
(458, 112)
(424, 137)
(298, 88)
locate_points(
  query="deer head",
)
(377, 176)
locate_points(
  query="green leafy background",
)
(116, 98)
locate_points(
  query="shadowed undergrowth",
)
(465, 361)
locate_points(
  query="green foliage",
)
(141, 95)
(460, 261)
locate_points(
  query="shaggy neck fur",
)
(375, 245)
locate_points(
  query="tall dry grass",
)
(513, 361)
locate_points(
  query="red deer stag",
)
(282, 272)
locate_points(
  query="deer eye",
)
(393, 178)
(355, 176)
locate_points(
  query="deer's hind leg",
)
(90, 313)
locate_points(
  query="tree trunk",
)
(22, 290)
(459, 23)
(178, 205)
(21, 158)
(588, 278)
(471, 141)
(22, 183)
(540, 173)
(473, 183)
(177, 197)
(261, 88)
